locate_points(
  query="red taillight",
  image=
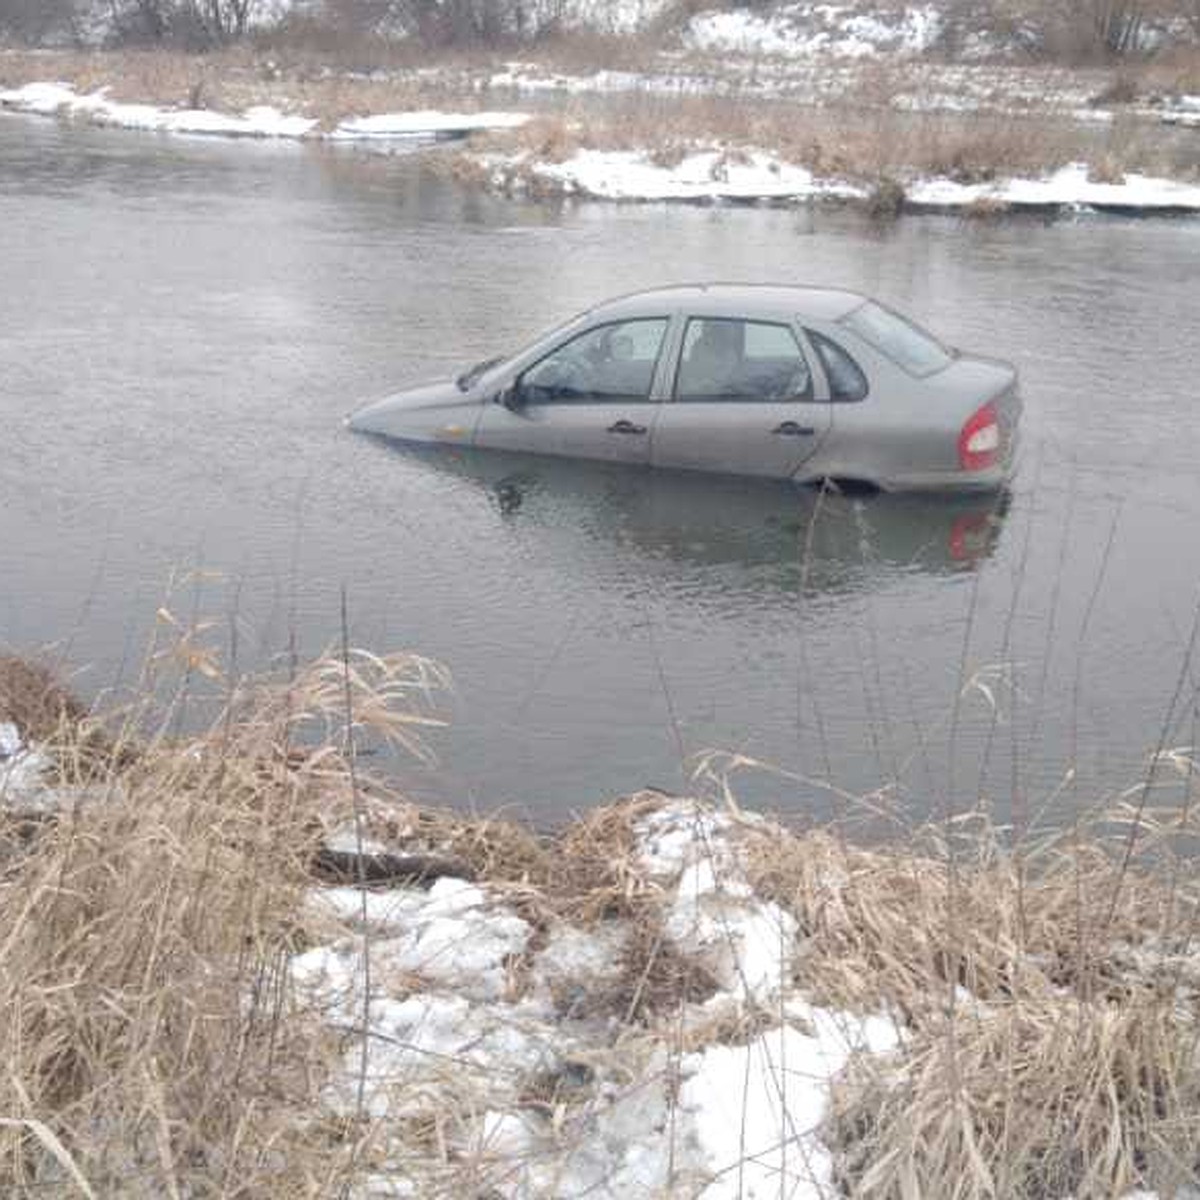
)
(970, 537)
(979, 441)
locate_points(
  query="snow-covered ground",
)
(758, 176)
(742, 175)
(22, 774)
(1069, 188)
(1185, 110)
(817, 30)
(704, 176)
(468, 1003)
(60, 99)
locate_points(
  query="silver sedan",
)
(808, 384)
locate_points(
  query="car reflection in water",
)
(765, 530)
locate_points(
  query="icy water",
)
(183, 325)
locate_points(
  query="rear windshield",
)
(918, 352)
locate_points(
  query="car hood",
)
(413, 406)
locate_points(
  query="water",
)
(184, 323)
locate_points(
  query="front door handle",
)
(623, 426)
(791, 429)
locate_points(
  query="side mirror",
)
(512, 398)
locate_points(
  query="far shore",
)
(550, 134)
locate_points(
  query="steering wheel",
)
(569, 376)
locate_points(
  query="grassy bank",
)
(867, 124)
(187, 951)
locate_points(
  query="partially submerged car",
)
(808, 384)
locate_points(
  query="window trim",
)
(818, 339)
(649, 398)
(806, 397)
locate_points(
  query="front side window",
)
(847, 380)
(749, 361)
(906, 344)
(610, 364)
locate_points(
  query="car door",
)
(593, 396)
(744, 401)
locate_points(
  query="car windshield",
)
(469, 377)
(906, 344)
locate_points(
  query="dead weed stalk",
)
(145, 938)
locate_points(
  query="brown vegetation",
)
(33, 699)
(1048, 992)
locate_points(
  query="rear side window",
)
(847, 380)
(906, 344)
(726, 360)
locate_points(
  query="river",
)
(184, 323)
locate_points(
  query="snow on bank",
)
(703, 176)
(425, 123)
(1068, 188)
(23, 774)
(55, 99)
(714, 176)
(1185, 110)
(475, 1012)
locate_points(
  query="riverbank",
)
(237, 959)
(911, 135)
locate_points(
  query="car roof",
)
(735, 299)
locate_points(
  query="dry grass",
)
(144, 946)
(1048, 992)
(1033, 1100)
(32, 698)
(236, 79)
(872, 147)
(863, 137)
(1049, 995)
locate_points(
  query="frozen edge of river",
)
(706, 176)
(59, 99)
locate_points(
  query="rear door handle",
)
(623, 426)
(791, 429)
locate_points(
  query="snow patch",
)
(702, 176)
(261, 121)
(746, 942)
(11, 742)
(443, 1032)
(757, 1109)
(453, 936)
(1069, 187)
(425, 123)
(1183, 110)
(23, 775)
(714, 176)
(617, 16)
(346, 841)
(822, 30)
